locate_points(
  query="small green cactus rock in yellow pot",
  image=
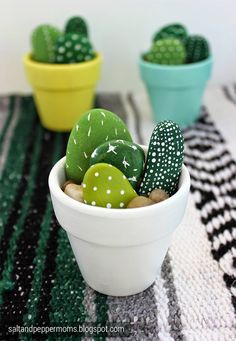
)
(63, 70)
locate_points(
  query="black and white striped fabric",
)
(194, 297)
(202, 255)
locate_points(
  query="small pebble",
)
(158, 195)
(140, 202)
(66, 183)
(74, 191)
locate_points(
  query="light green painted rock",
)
(43, 41)
(164, 159)
(128, 157)
(106, 186)
(94, 128)
(168, 51)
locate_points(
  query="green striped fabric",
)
(11, 174)
(8, 121)
(53, 292)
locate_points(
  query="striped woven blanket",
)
(194, 298)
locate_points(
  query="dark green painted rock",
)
(77, 25)
(94, 128)
(197, 49)
(128, 157)
(164, 159)
(73, 48)
(106, 186)
(177, 30)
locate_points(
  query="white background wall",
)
(120, 29)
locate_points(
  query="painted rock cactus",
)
(106, 186)
(128, 157)
(164, 159)
(76, 25)
(73, 48)
(167, 51)
(94, 128)
(197, 49)
(43, 41)
(173, 30)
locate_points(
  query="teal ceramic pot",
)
(176, 91)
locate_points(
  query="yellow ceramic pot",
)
(62, 92)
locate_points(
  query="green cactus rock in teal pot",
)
(77, 25)
(106, 186)
(169, 51)
(178, 31)
(43, 42)
(73, 48)
(164, 159)
(128, 157)
(93, 129)
(197, 49)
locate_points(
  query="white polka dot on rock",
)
(61, 49)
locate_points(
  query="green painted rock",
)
(197, 49)
(164, 159)
(43, 42)
(94, 128)
(77, 25)
(128, 157)
(167, 51)
(73, 48)
(106, 186)
(173, 30)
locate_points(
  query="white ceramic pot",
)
(119, 251)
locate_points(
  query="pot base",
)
(119, 271)
(181, 106)
(123, 294)
(58, 111)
